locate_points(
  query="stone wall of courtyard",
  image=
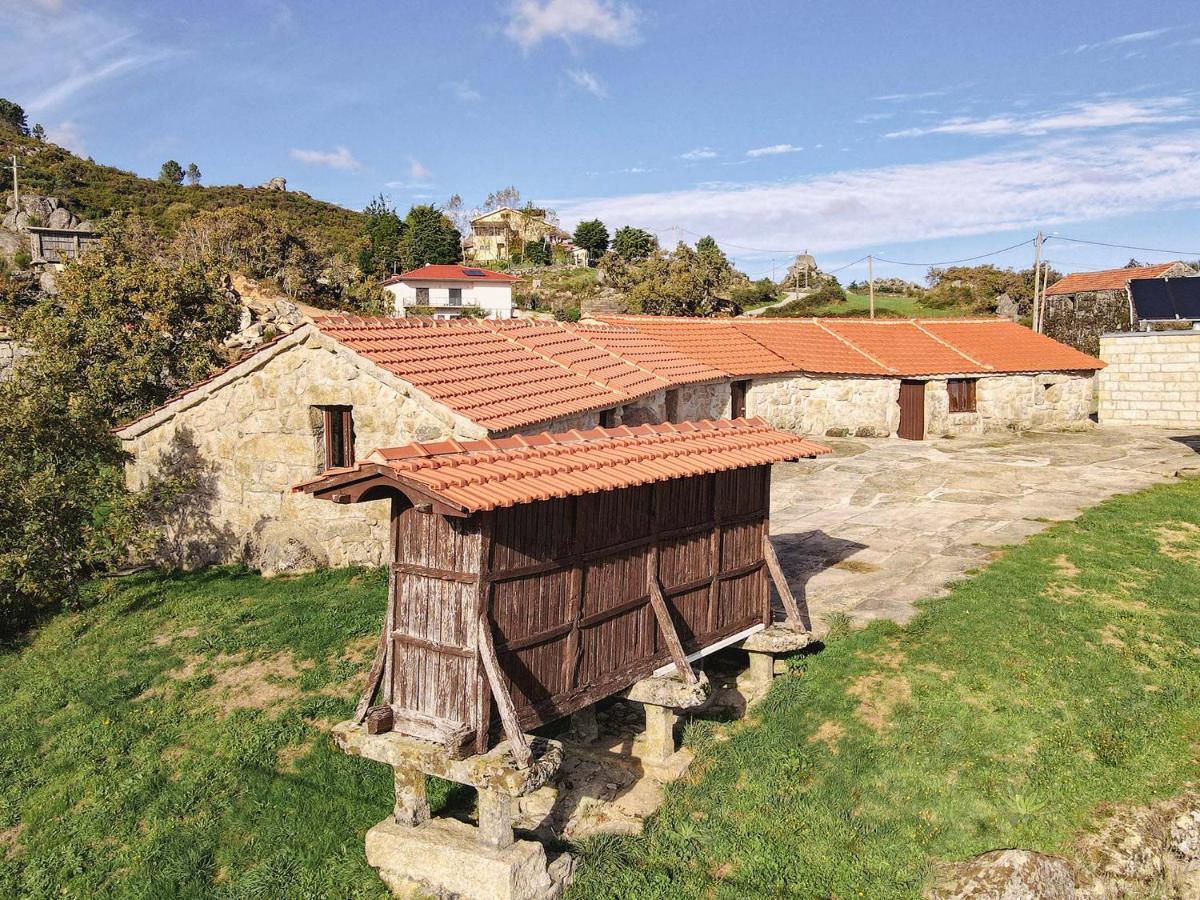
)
(1152, 378)
(864, 407)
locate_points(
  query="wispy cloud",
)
(1058, 181)
(699, 153)
(584, 79)
(1076, 117)
(463, 91)
(918, 95)
(773, 150)
(341, 158)
(66, 134)
(418, 171)
(867, 118)
(1133, 37)
(609, 21)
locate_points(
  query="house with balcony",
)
(451, 292)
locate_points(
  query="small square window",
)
(423, 296)
(962, 394)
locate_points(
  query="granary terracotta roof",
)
(718, 343)
(891, 347)
(452, 273)
(649, 353)
(470, 476)
(1107, 280)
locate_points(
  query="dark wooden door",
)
(912, 411)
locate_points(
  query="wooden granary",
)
(532, 576)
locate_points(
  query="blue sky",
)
(917, 132)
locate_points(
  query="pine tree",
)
(193, 174)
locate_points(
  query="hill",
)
(94, 191)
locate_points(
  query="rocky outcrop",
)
(278, 183)
(1006, 875)
(36, 211)
(265, 314)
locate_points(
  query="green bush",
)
(568, 313)
(22, 259)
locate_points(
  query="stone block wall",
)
(697, 402)
(10, 354)
(1151, 379)
(865, 407)
(250, 436)
(1078, 320)
(1048, 400)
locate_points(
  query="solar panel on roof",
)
(473, 273)
(1166, 298)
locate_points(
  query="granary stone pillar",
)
(661, 696)
(584, 725)
(412, 806)
(763, 648)
(495, 819)
(660, 733)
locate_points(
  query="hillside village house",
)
(449, 290)
(505, 231)
(1084, 305)
(334, 390)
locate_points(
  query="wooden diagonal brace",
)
(376, 672)
(504, 702)
(791, 609)
(667, 627)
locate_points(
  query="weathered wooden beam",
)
(667, 627)
(433, 646)
(504, 701)
(454, 736)
(433, 572)
(791, 609)
(375, 673)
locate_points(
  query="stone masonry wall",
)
(10, 354)
(866, 407)
(253, 438)
(697, 402)
(1049, 400)
(1151, 379)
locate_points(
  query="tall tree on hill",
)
(592, 236)
(429, 238)
(38, 133)
(171, 172)
(12, 117)
(713, 256)
(193, 174)
(383, 230)
(631, 243)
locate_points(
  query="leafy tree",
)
(193, 174)
(507, 196)
(713, 256)
(456, 212)
(38, 132)
(975, 288)
(631, 243)
(762, 291)
(171, 173)
(592, 236)
(429, 238)
(538, 253)
(383, 229)
(12, 117)
(680, 283)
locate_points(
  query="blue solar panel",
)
(473, 273)
(1166, 298)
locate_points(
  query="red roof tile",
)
(810, 345)
(1005, 346)
(471, 476)
(451, 273)
(649, 353)
(1106, 280)
(718, 343)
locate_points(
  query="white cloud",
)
(919, 95)
(341, 158)
(773, 150)
(1058, 181)
(588, 82)
(66, 134)
(1076, 117)
(1130, 38)
(610, 21)
(699, 153)
(417, 171)
(463, 91)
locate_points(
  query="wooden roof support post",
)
(791, 609)
(380, 666)
(659, 602)
(504, 703)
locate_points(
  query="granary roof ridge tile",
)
(1105, 279)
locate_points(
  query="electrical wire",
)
(952, 262)
(1059, 237)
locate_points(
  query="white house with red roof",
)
(449, 290)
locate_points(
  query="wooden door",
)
(912, 411)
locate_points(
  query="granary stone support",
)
(763, 647)
(661, 696)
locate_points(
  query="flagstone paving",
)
(880, 524)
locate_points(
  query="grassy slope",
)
(93, 191)
(1009, 712)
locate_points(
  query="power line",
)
(952, 262)
(1059, 237)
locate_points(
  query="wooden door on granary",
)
(568, 583)
(912, 411)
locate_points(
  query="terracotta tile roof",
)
(452, 273)
(474, 370)
(896, 347)
(649, 353)
(471, 476)
(719, 343)
(1107, 280)
(1005, 346)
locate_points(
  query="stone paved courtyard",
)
(881, 524)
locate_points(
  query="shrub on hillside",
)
(830, 293)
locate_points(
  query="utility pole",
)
(1037, 278)
(871, 281)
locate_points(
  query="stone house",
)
(883, 377)
(1081, 306)
(335, 389)
(1150, 378)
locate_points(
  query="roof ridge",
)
(853, 346)
(949, 346)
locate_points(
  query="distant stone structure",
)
(278, 183)
(804, 271)
(55, 234)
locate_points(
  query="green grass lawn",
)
(905, 307)
(171, 739)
